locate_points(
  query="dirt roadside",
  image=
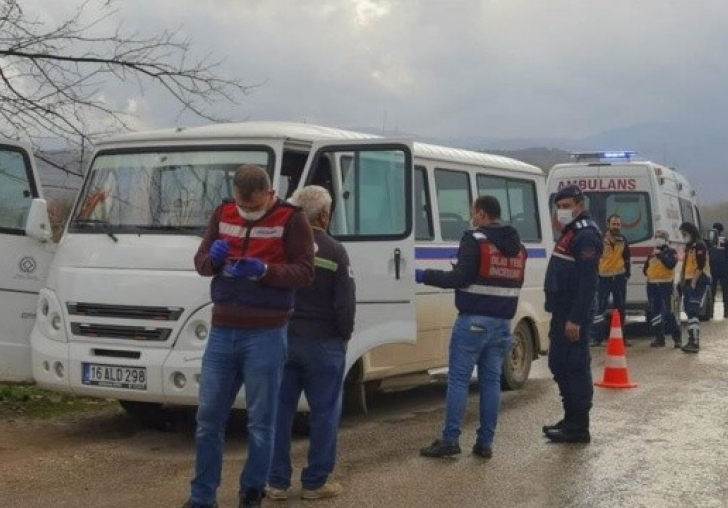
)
(100, 459)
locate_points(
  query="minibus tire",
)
(517, 364)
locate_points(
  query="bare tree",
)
(52, 77)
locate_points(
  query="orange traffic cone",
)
(616, 374)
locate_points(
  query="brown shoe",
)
(328, 489)
(276, 494)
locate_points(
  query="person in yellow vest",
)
(694, 280)
(614, 272)
(659, 270)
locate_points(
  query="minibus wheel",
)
(517, 364)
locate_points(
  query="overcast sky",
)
(498, 69)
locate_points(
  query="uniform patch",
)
(588, 254)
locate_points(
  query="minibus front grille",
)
(124, 311)
(140, 333)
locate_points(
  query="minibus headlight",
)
(201, 331)
(196, 330)
(49, 320)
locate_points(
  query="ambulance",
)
(646, 195)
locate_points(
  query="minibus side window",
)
(373, 199)
(453, 201)
(15, 190)
(518, 203)
(423, 210)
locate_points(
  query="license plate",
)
(115, 376)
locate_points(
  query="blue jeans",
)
(483, 342)
(234, 357)
(315, 366)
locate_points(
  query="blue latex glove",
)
(250, 268)
(420, 276)
(219, 251)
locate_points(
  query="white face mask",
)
(251, 216)
(660, 242)
(564, 216)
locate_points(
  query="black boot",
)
(575, 431)
(693, 346)
(677, 340)
(252, 498)
(556, 426)
(658, 342)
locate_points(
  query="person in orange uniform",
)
(659, 270)
(694, 280)
(614, 272)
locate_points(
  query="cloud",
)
(492, 68)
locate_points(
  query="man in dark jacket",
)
(487, 279)
(258, 250)
(321, 326)
(570, 286)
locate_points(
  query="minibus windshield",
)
(159, 191)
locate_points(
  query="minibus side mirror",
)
(38, 225)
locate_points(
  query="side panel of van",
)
(25, 262)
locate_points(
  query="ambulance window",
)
(632, 207)
(423, 210)
(453, 201)
(686, 210)
(518, 203)
(16, 190)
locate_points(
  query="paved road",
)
(662, 444)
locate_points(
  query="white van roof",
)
(309, 133)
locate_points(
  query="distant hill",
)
(544, 158)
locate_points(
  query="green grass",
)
(29, 401)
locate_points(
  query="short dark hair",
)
(689, 228)
(251, 179)
(488, 205)
(613, 216)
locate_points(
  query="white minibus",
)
(124, 315)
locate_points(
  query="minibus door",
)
(26, 252)
(371, 185)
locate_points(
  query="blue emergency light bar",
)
(604, 156)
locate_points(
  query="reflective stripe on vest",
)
(492, 291)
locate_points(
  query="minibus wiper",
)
(104, 224)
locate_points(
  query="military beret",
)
(569, 191)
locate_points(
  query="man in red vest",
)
(258, 250)
(487, 279)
